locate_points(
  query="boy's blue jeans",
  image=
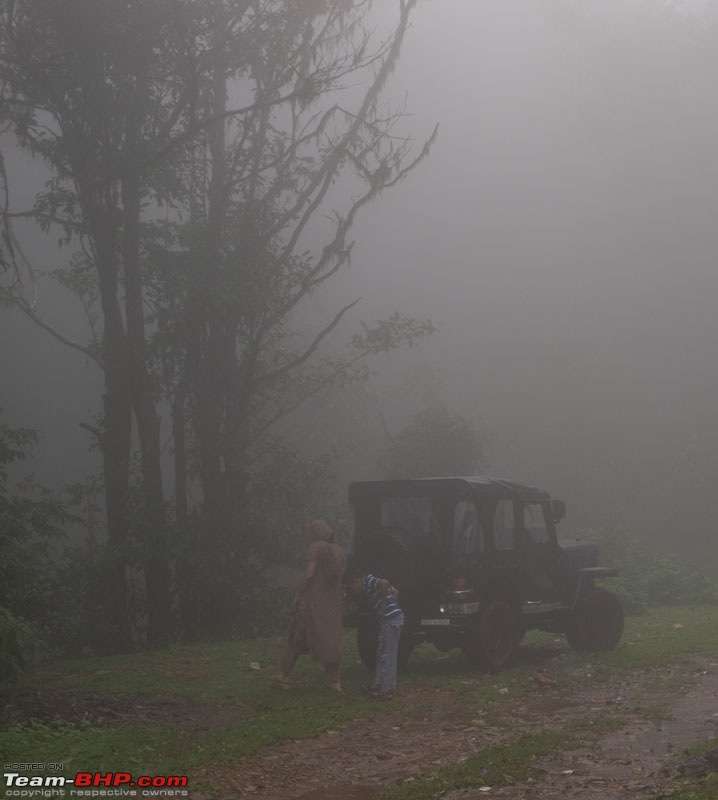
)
(386, 653)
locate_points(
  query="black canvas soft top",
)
(482, 485)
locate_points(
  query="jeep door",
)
(468, 545)
(505, 556)
(538, 551)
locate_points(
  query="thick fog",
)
(562, 235)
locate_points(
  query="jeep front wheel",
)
(597, 622)
(492, 643)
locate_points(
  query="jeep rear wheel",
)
(492, 643)
(597, 622)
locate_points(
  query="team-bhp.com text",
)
(95, 784)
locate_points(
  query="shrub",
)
(18, 643)
(649, 576)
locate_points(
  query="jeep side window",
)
(504, 538)
(535, 523)
(468, 537)
(412, 514)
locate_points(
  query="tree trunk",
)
(210, 387)
(186, 558)
(157, 570)
(116, 435)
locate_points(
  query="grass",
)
(704, 788)
(220, 675)
(234, 678)
(666, 635)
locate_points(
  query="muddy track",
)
(658, 713)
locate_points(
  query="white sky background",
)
(563, 234)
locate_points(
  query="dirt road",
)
(657, 714)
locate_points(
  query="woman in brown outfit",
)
(317, 624)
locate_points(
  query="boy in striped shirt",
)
(383, 600)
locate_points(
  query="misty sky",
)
(563, 235)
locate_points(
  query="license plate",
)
(435, 622)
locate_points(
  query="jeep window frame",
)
(528, 531)
(528, 540)
(468, 543)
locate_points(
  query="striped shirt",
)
(376, 597)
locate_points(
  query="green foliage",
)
(17, 643)
(649, 576)
(52, 592)
(21, 516)
(705, 788)
(29, 519)
(77, 623)
(436, 443)
(230, 569)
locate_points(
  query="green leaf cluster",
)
(436, 443)
(29, 516)
(651, 576)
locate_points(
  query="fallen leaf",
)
(544, 679)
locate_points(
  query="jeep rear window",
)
(412, 514)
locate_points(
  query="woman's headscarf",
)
(319, 530)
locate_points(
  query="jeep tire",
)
(492, 643)
(597, 621)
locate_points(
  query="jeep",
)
(477, 562)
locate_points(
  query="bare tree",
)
(198, 151)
